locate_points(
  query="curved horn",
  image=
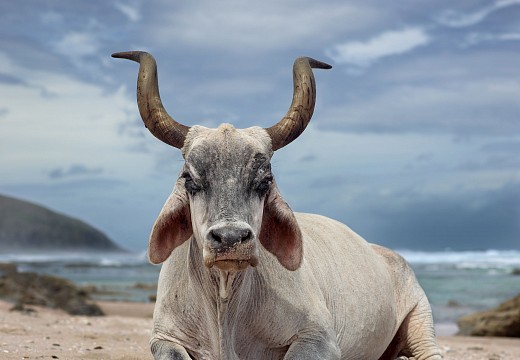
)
(302, 106)
(152, 111)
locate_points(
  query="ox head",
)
(226, 196)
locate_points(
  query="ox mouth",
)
(227, 264)
(235, 258)
(236, 265)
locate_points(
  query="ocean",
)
(456, 283)
(459, 283)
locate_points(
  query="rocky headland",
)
(26, 227)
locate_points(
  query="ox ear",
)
(280, 233)
(172, 227)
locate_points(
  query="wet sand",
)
(123, 335)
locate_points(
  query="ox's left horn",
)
(302, 106)
(152, 111)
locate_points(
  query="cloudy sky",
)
(414, 142)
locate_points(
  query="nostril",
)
(228, 236)
(246, 235)
(215, 236)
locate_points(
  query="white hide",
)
(244, 278)
(345, 290)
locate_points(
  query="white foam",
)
(100, 259)
(465, 259)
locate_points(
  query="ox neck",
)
(221, 290)
(225, 342)
(225, 285)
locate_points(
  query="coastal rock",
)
(26, 227)
(45, 290)
(503, 320)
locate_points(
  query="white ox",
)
(246, 278)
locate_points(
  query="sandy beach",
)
(123, 335)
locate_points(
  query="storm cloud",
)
(414, 141)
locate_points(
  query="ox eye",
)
(264, 185)
(190, 185)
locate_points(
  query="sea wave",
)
(79, 258)
(488, 259)
(465, 259)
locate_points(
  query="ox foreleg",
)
(166, 350)
(418, 335)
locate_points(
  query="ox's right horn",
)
(302, 106)
(152, 111)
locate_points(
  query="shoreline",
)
(446, 329)
(124, 332)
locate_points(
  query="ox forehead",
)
(227, 156)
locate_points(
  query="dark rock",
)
(45, 290)
(453, 304)
(102, 291)
(503, 320)
(515, 271)
(7, 268)
(20, 307)
(29, 227)
(145, 286)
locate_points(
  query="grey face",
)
(225, 197)
(227, 175)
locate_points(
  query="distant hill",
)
(25, 226)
